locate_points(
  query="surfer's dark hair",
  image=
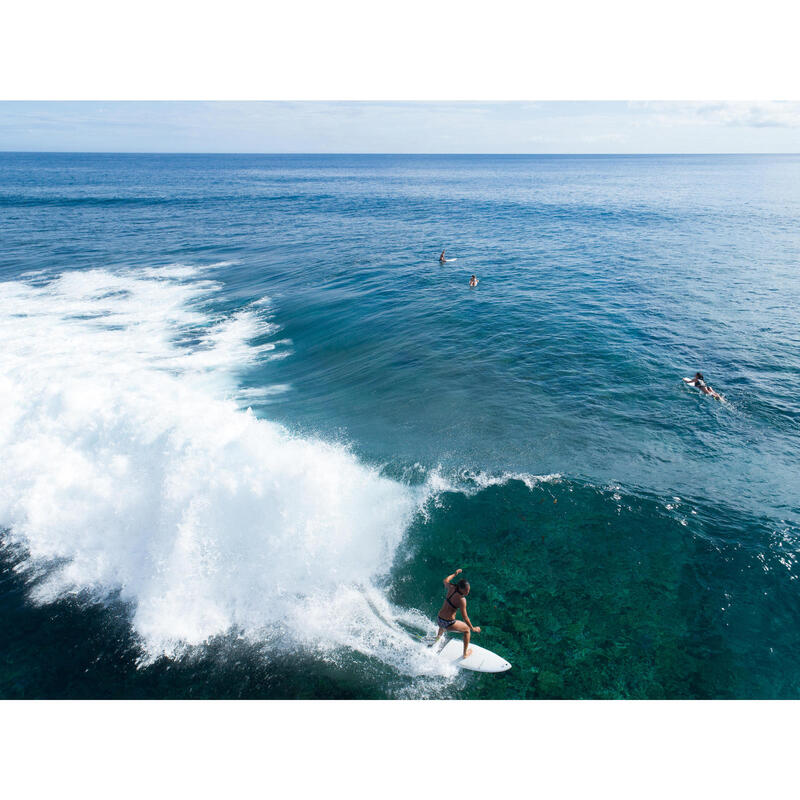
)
(699, 375)
(462, 586)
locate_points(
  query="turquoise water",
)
(251, 423)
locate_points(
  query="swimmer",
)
(473, 281)
(442, 259)
(699, 382)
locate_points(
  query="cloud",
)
(772, 114)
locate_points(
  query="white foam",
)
(126, 468)
(261, 394)
(470, 482)
(483, 480)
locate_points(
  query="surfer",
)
(699, 382)
(442, 259)
(455, 600)
(473, 281)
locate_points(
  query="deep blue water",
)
(624, 535)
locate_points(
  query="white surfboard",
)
(480, 660)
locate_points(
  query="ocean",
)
(249, 423)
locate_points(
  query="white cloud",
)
(773, 114)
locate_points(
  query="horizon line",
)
(326, 153)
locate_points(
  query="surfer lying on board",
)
(700, 383)
(456, 599)
(442, 259)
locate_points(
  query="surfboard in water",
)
(480, 660)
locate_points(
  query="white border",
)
(388, 749)
(415, 50)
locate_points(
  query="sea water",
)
(249, 422)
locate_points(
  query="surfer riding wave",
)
(456, 600)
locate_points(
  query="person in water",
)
(473, 281)
(442, 259)
(699, 382)
(456, 599)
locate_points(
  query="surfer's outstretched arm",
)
(450, 577)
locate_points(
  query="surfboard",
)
(480, 660)
(715, 395)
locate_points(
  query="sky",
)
(401, 127)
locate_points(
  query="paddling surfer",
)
(473, 281)
(456, 599)
(699, 382)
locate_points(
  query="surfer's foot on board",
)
(467, 653)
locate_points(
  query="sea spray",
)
(128, 468)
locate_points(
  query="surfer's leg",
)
(442, 629)
(461, 627)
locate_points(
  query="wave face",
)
(130, 471)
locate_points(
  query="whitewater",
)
(131, 471)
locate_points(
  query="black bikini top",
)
(455, 591)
